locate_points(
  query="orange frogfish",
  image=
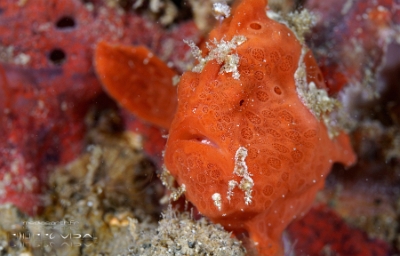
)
(251, 139)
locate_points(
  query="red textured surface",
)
(42, 127)
(43, 101)
(322, 231)
(355, 34)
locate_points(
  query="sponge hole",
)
(65, 22)
(57, 56)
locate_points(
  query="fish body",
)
(248, 140)
(249, 151)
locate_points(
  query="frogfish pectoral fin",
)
(137, 80)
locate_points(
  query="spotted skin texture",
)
(289, 152)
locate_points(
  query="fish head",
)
(243, 98)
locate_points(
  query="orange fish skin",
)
(289, 151)
(138, 80)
